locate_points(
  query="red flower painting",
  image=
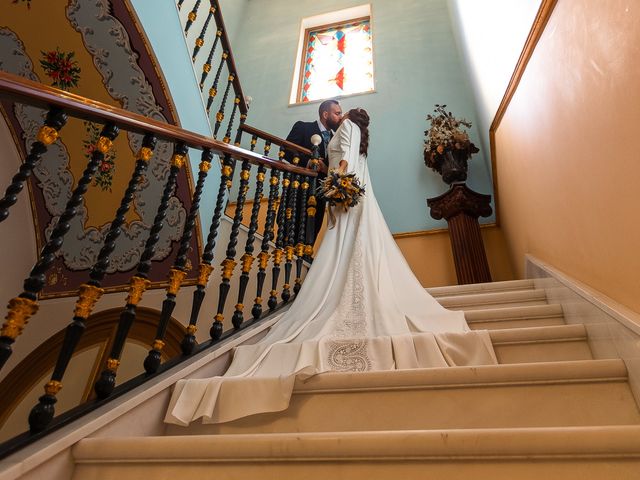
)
(61, 68)
(28, 2)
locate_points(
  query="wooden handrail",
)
(27, 91)
(275, 140)
(231, 64)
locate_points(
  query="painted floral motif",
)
(61, 68)
(106, 169)
(28, 2)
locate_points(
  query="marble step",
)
(557, 453)
(515, 317)
(479, 301)
(473, 288)
(541, 344)
(576, 393)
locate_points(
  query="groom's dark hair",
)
(326, 105)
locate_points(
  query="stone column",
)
(460, 207)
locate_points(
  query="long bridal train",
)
(359, 309)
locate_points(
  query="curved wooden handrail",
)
(275, 140)
(26, 91)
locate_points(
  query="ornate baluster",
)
(193, 14)
(278, 251)
(200, 39)
(312, 203)
(267, 236)
(139, 282)
(247, 259)
(290, 223)
(302, 222)
(88, 295)
(179, 270)
(206, 68)
(24, 306)
(56, 119)
(229, 263)
(254, 141)
(213, 91)
(220, 114)
(227, 136)
(189, 341)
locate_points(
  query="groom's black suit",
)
(301, 134)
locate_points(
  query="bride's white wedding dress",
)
(360, 308)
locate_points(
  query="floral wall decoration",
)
(28, 2)
(61, 68)
(78, 45)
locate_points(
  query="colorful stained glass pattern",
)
(338, 61)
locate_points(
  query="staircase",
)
(549, 409)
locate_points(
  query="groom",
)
(329, 114)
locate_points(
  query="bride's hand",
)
(342, 166)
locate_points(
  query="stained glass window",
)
(337, 61)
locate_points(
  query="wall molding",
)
(537, 29)
(435, 231)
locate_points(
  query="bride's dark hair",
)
(360, 117)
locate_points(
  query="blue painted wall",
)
(161, 23)
(416, 64)
(416, 61)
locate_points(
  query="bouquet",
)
(340, 190)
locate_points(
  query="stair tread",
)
(513, 313)
(578, 442)
(429, 378)
(539, 334)
(493, 298)
(481, 287)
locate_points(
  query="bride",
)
(359, 309)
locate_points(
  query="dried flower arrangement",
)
(446, 134)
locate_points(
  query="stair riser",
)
(484, 306)
(481, 406)
(543, 352)
(363, 469)
(516, 323)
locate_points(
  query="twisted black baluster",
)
(220, 114)
(22, 307)
(180, 4)
(193, 14)
(227, 136)
(282, 228)
(56, 119)
(139, 281)
(179, 271)
(206, 68)
(200, 39)
(88, 295)
(248, 258)
(267, 236)
(312, 204)
(229, 263)
(301, 224)
(213, 91)
(189, 341)
(290, 223)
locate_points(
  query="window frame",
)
(318, 22)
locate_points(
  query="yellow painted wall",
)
(429, 256)
(567, 157)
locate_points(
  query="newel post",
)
(460, 207)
